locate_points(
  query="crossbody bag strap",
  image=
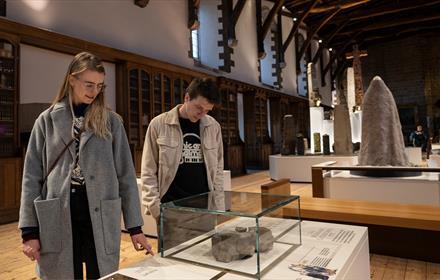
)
(57, 159)
(59, 156)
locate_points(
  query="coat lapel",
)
(85, 137)
(62, 119)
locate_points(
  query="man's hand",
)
(140, 243)
(31, 249)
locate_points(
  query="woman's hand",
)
(31, 249)
(140, 243)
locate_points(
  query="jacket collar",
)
(62, 120)
(62, 117)
(172, 118)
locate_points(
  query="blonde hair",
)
(97, 115)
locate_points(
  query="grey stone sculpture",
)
(343, 144)
(230, 245)
(300, 145)
(317, 141)
(289, 132)
(326, 144)
(382, 140)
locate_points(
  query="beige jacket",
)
(162, 153)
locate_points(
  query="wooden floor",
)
(14, 265)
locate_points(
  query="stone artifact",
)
(342, 125)
(231, 245)
(326, 144)
(306, 143)
(357, 71)
(317, 141)
(289, 132)
(382, 140)
(300, 144)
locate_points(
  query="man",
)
(418, 138)
(183, 150)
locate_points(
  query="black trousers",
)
(82, 234)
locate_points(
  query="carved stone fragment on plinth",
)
(289, 132)
(317, 142)
(230, 245)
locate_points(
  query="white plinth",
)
(299, 168)
(316, 123)
(356, 126)
(414, 155)
(424, 189)
(338, 247)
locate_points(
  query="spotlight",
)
(320, 41)
(295, 19)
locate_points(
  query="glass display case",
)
(244, 233)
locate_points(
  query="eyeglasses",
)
(90, 86)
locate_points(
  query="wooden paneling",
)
(227, 115)
(147, 92)
(276, 123)
(9, 94)
(234, 160)
(10, 188)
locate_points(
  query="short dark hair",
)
(205, 87)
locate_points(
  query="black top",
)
(80, 110)
(191, 175)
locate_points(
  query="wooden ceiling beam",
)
(367, 14)
(392, 23)
(340, 51)
(268, 21)
(341, 66)
(260, 40)
(340, 5)
(237, 11)
(399, 35)
(327, 41)
(297, 3)
(193, 19)
(315, 31)
(296, 25)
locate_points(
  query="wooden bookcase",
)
(227, 115)
(257, 141)
(10, 156)
(146, 92)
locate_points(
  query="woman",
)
(73, 215)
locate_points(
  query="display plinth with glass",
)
(238, 232)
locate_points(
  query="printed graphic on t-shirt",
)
(192, 149)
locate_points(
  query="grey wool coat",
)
(111, 189)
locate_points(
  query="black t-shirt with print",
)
(191, 175)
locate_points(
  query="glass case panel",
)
(240, 232)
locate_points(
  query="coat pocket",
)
(111, 223)
(49, 221)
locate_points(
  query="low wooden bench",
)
(408, 231)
